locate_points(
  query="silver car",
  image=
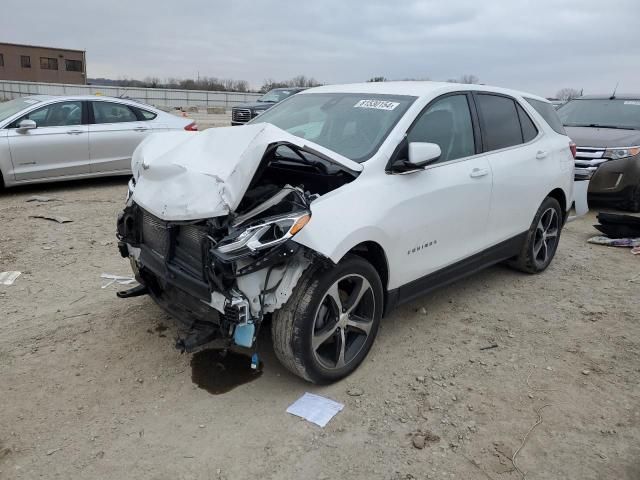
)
(45, 138)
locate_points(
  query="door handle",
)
(74, 132)
(479, 172)
(541, 154)
(140, 129)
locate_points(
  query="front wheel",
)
(327, 327)
(542, 239)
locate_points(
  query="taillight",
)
(573, 148)
(192, 127)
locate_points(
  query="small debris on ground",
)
(7, 278)
(52, 451)
(315, 409)
(586, 372)
(119, 279)
(488, 347)
(420, 438)
(40, 198)
(355, 392)
(53, 218)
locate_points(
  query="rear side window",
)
(107, 112)
(500, 122)
(529, 130)
(546, 111)
(144, 114)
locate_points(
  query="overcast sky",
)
(538, 46)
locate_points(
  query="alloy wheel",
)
(343, 321)
(546, 236)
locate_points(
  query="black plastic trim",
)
(498, 253)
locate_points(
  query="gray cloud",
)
(537, 46)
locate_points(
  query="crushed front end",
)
(220, 276)
(210, 220)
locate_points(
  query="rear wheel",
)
(327, 327)
(542, 239)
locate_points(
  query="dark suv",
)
(606, 130)
(247, 111)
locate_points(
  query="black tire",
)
(631, 203)
(298, 324)
(531, 258)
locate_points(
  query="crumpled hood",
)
(190, 176)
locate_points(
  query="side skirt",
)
(496, 254)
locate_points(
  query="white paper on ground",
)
(7, 278)
(314, 408)
(116, 279)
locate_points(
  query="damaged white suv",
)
(338, 204)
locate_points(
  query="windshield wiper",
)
(598, 125)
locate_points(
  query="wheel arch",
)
(373, 253)
(561, 197)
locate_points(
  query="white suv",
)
(338, 204)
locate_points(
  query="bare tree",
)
(466, 78)
(469, 78)
(566, 94)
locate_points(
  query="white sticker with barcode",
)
(632, 102)
(377, 104)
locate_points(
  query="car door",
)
(442, 215)
(114, 133)
(519, 156)
(58, 146)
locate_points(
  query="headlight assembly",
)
(618, 153)
(267, 234)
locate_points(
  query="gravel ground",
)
(93, 388)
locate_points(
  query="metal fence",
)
(161, 97)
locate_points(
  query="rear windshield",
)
(603, 113)
(351, 124)
(549, 113)
(10, 108)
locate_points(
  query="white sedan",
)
(46, 138)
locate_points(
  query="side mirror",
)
(27, 124)
(422, 154)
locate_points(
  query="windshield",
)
(351, 124)
(276, 96)
(601, 113)
(10, 108)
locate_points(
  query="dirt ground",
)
(91, 386)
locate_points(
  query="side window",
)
(448, 123)
(500, 123)
(145, 115)
(108, 112)
(529, 130)
(546, 111)
(61, 114)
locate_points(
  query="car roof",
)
(416, 89)
(48, 98)
(618, 96)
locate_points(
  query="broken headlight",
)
(266, 234)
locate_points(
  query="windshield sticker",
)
(377, 104)
(632, 102)
(31, 102)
